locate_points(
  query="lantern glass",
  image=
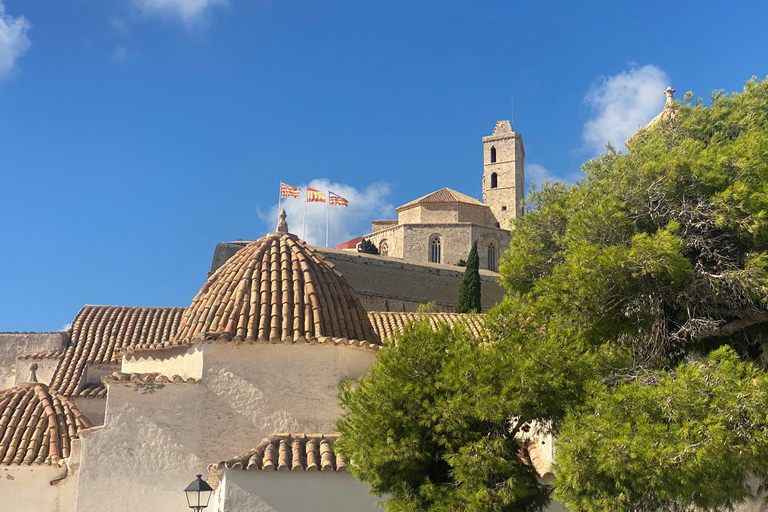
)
(198, 493)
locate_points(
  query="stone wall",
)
(401, 285)
(14, 344)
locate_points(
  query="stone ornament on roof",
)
(282, 226)
(669, 93)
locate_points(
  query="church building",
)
(442, 226)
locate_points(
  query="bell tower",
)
(503, 174)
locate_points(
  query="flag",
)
(336, 200)
(315, 196)
(288, 191)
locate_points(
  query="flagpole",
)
(280, 199)
(327, 216)
(304, 227)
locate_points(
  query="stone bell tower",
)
(503, 174)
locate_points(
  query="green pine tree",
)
(469, 288)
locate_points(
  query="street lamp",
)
(198, 493)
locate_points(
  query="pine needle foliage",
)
(633, 330)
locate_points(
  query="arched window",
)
(493, 256)
(384, 248)
(435, 249)
(494, 180)
(493, 154)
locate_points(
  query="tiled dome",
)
(37, 426)
(276, 289)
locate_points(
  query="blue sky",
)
(136, 134)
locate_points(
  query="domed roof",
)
(276, 289)
(37, 426)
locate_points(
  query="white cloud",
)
(121, 54)
(65, 327)
(345, 223)
(536, 173)
(119, 25)
(13, 40)
(623, 103)
(188, 11)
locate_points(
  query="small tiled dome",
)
(37, 426)
(276, 289)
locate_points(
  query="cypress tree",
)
(469, 288)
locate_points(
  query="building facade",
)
(442, 226)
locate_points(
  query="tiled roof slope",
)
(288, 452)
(389, 324)
(100, 333)
(37, 426)
(276, 289)
(444, 195)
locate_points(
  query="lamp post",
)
(198, 494)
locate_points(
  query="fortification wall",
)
(382, 282)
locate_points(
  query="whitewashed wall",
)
(292, 491)
(40, 488)
(156, 438)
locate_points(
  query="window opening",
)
(494, 180)
(493, 154)
(435, 250)
(492, 259)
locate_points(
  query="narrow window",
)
(384, 248)
(494, 180)
(492, 257)
(434, 250)
(493, 154)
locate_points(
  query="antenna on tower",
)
(512, 116)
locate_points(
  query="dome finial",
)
(282, 226)
(670, 98)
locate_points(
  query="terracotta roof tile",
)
(56, 354)
(390, 324)
(37, 426)
(276, 289)
(147, 378)
(444, 195)
(288, 452)
(100, 333)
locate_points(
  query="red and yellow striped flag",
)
(289, 191)
(315, 196)
(336, 200)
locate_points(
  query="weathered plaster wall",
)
(94, 372)
(158, 437)
(44, 372)
(12, 345)
(185, 362)
(93, 408)
(40, 488)
(378, 278)
(292, 491)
